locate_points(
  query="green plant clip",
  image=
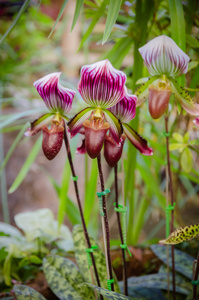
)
(101, 207)
(195, 282)
(88, 252)
(74, 178)
(166, 134)
(99, 195)
(169, 208)
(125, 247)
(109, 282)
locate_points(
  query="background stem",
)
(195, 277)
(80, 206)
(172, 202)
(105, 222)
(120, 233)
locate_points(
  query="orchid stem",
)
(120, 232)
(195, 278)
(80, 207)
(172, 203)
(105, 224)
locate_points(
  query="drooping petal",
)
(94, 137)
(36, 126)
(101, 85)
(137, 140)
(185, 100)
(163, 56)
(125, 109)
(113, 151)
(115, 125)
(56, 97)
(52, 139)
(196, 121)
(76, 123)
(82, 148)
(142, 92)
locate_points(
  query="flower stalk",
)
(120, 232)
(105, 225)
(172, 203)
(80, 207)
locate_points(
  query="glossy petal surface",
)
(52, 140)
(125, 109)
(158, 101)
(137, 140)
(76, 123)
(113, 151)
(56, 97)
(101, 85)
(163, 56)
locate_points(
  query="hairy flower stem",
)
(172, 203)
(80, 207)
(105, 223)
(120, 233)
(195, 277)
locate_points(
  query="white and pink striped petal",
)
(56, 97)
(163, 56)
(101, 85)
(125, 109)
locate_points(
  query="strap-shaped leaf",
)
(59, 16)
(81, 258)
(24, 292)
(113, 11)
(78, 7)
(64, 279)
(24, 170)
(108, 294)
(23, 8)
(183, 261)
(182, 234)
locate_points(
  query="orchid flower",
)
(165, 61)
(125, 111)
(58, 100)
(101, 87)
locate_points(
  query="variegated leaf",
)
(64, 279)
(24, 292)
(81, 258)
(182, 234)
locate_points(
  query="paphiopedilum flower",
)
(165, 61)
(101, 87)
(58, 100)
(196, 121)
(125, 111)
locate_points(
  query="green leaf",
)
(183, 261)
(78, 7)
(81, 258)
(160, 281)
(192, 65)
(113, 11)
(94, 21)
(108, 294)
(186, 160)
(24, 170)
(186, 137)
(59, 16)
(194, 142)
(24, 292)
(182, 234)
(175, 146)
(13, 146)
(192, 41)
(64, 279)
(21, 11)
(178, 137)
